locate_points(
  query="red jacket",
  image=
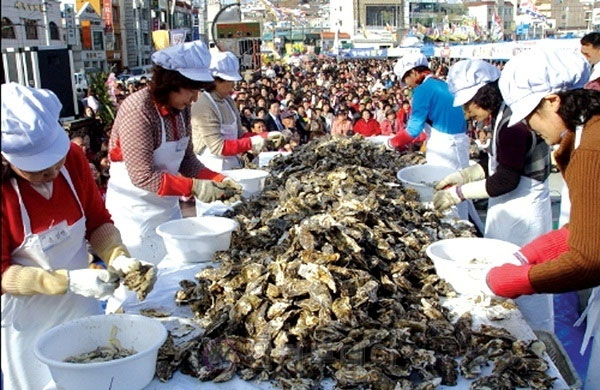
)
(62, 206)
(367, 129)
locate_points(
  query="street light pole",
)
(45, 21)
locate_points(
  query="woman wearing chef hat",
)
(152, 161)
(432, 111)
(545, 89)
(216, 122)
(50, 208)
(519, 206)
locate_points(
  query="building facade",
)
(23, 24)
(92, 47)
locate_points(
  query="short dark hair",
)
(259, 109)
(577, 106)
(592, 38)
(165, 81)
(488, 97)
(257, 120)
(211, 85)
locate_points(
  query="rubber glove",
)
(447, 198)
(93, 283)
(207, 190)
(400, 141)
(510, 281)
(467, 175)
(258, 144)
(126, 264)
(544, 248)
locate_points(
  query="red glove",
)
(546, 247)
(401, 141)
(421, 138)
(233, 147)
(510, 280)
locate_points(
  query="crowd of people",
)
(319, 97)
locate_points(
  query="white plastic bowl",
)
(422, 178)
(252, 180)
(453, 260)
(379, 139)
(264, 158)
(144, 335)
(196, 239)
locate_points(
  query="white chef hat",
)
(191, 59)
(530, 76)
(467, 76)
(32, 138)
(408, 62)
(226, 66)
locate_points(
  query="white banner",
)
(70, 24)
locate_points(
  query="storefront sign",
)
(107, 15)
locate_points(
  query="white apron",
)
(452, 151)
(229, 132)
(565, 201)
(137, 212)
(592, 331)
(520, 216)
(25, 318)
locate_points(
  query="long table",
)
(162, 298)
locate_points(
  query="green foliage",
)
(100, 91)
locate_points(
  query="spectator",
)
(366, 125)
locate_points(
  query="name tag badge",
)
(54, 236)
(182, 144)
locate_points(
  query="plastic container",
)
(465, 261)
(264, 158)
(142, 334)
(423, 178)
(379, 139)
(252, 180)
(196, 239)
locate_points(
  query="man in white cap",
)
(432, 110)
(50, 208)
(216, 122)
(152, 161)
(516, 185)
(546, 89)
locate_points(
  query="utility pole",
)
(45, 21)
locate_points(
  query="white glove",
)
(126, 264)
(467, 175)
(258, 144)
(445, 199)
(93, 283)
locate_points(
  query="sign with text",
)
(241, 30)
(70, 24)
(107, 15)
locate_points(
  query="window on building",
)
(54, 34)
(146, 39)
(8, 29)
(98, 40)
(381, 15)
(31, 29)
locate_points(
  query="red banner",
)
(86, 34)
(107, 15)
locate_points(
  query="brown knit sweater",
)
(579, 268)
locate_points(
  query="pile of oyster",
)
(327, 277)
